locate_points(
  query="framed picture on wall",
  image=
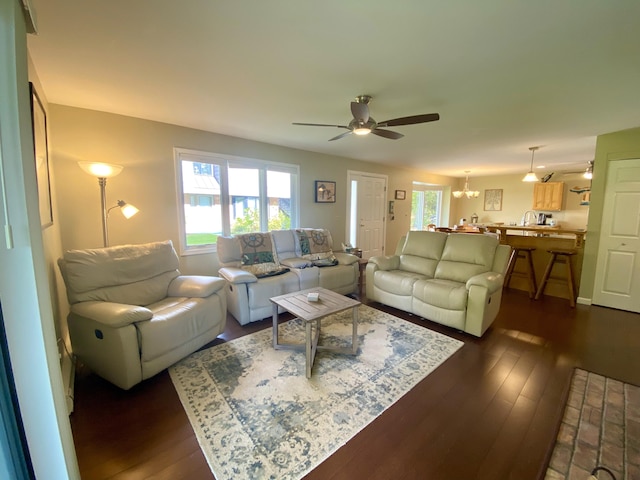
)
(325, 191)
(401, 194)
(493, 199)
(41, 153)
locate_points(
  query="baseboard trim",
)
(68, 368)
(583, 301)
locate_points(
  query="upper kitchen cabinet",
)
(548, 196)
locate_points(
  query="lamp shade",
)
(531, 176)
(101, 170)
(127, 209)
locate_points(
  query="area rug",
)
(600, 427)
(257, 416)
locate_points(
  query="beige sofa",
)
(450, 278)
(133, 314)
(258, 266)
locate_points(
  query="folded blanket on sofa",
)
(315, 244)
(258, 256)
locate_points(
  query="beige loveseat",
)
(454, 279)
(258, 266)
(133, 314)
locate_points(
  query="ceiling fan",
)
(363, 124)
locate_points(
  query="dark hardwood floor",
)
(490, 412)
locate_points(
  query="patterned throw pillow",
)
(257, 254)
(315, 244)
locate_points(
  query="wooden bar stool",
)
(522, 252)
(559, 256)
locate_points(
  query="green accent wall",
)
(610, 147)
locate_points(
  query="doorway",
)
(617, 279)
(366, 200)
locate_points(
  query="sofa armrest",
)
(237, 275)
(112, 315)
(195, 286)
(492, 281)
(296, 262)
(345, 258)
(386, 263)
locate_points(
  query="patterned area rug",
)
(600, 427)
(257, 416)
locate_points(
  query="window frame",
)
(440, 210)
(225, 162)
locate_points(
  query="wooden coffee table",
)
(311, 314)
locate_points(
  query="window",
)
(223, 195)
(426, 205)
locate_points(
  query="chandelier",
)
(466, 191)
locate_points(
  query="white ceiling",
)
(504, 75)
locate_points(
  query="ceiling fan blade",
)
(387, 134)
(395, 122)
(340, 136)
(319, 125)
(360, 111)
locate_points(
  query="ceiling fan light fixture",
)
(363, 124)
(588, 173)
(362, 131)
(531, 176)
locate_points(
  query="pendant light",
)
(531, 176)
(466, 191)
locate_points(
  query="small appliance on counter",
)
(542, 218)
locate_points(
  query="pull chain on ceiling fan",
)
(363, 124)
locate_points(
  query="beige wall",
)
(517, 198)
(51, 240)
(145, 149)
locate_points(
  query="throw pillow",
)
(315, 244)
(257, 254)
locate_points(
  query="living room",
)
(145, 149)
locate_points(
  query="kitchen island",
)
(543, 238)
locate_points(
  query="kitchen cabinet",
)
(548, 196)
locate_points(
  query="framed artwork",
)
(325, 191)
(41, 153)
(401, 194)
(493, 199)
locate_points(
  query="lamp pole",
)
(102, 181)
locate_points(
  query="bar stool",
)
(522, 252)
(560, 256)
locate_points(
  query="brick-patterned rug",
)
(600, 426)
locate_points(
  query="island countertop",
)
(542, 239)
(540, 230)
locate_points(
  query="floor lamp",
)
(103, 171)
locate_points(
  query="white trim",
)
(583, 301)
(225, 162)
(350, 175)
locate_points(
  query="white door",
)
(366, 227)
(617, 280)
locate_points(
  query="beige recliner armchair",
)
(133, 314)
